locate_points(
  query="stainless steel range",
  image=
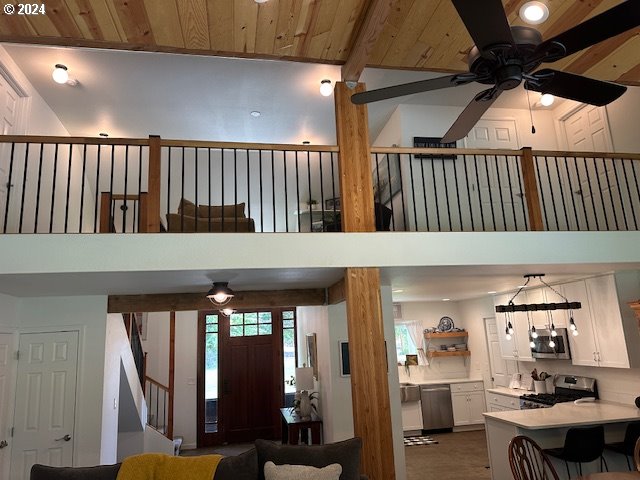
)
(568, 388)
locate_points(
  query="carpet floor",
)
(455, 456)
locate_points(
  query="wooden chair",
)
(528, 461)
(636, 455)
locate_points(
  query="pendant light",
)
(220, 294)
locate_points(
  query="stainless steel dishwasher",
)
(437, 411)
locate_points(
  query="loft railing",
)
(507, 190)
(157, 397)
(91, 185)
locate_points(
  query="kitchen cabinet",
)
(604, 335)
(448, 337)
(517, 348)
(499, 403)
(468, 403)
(541, 319)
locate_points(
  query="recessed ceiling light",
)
(261, 1)
(398, 290)
(521, 286)
(255, 113)
(326, 88)
(534, 13)
(446, 299)
(547, 99)
(60, 74)
(492, 292)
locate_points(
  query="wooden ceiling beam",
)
(336, 293)
(370, 29)
(175, 302)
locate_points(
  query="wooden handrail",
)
(74, 140)
(248, 146)
(157, 383)
(445, 151)
(554, 153)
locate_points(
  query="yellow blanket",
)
(157, 466)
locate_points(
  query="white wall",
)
(157, 346)
(473, 312)
(391, 134)
(87, 315)
(186, 396)
(8, 312)
(624, 131)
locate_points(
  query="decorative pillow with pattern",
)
(296, 472)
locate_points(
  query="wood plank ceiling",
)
(418, 34)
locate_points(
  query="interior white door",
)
(501, 203)
(9, 102)
(501, 369)
(7, 363)
(45, 401)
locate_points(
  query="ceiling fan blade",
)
(614, 21)
(486, 22)
(575, 87)
(405, 89)
(470, 115)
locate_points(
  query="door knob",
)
(3, 444)
(66, 438)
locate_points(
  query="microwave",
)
(541, 348)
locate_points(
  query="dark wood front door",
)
(249, 387)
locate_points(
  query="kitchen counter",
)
(548, 427)
(568, 414)
(511, 392)
(445, 381)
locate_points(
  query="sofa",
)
(209, 218)
(246, 466)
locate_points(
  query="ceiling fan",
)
(505, 56)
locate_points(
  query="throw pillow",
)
(187, 208)
(238, 467)
(345, 453)
(296, 472)
(216, 211)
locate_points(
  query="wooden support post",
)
(172, 364)
(153, 185)
(367, 353)
(636, 308)
(531, 190)
(105, 213)
(143, 212)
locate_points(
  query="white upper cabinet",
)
(583, 347)
(541, 319)
(516, 348)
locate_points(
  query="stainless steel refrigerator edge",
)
(437, 411)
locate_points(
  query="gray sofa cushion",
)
(102, 472)
(346, 453)
(238, 467)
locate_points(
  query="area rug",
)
(419, 440)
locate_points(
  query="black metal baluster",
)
(486, 169)
(413, 193)
(126, 178)
(195, 182)
(310, 194)
(522, 196)
(475, 163)
(613, 206)
(286, 194)
(626, 179)
(604, 209)
(424, 193)
(446, 189)
(635, 177)
(35, 218)
(24, 186)
(333, 189)
(455, 178)
(405, 216)
(571, 194)
(624, 213)
(593, 202)
(9, 187)
(84, 170)
(53, 186)
(584, 204)
(513, 204)
(111, 202)
(393, 214)
(544, 204)
(564, 206)
(222, 189)
(261, 191)
(169, 188)
(298, 191)
(235, 188)
(182, 196)
(209, 187)
(66, 209)
(139, 189)
(435, 192)
(504, 217)
(97, 193)
(321, 189)
(273, 189)
(466, 180)
(248, 187)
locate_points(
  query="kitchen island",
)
(548, 427)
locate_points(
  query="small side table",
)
(296, 429)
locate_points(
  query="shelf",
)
(458, 353)
(446, 335)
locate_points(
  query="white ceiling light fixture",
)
(546, 100)
(220, 294)
(60, 74)
(261, 1)
(227, 311)
(326, 88)
(255, 114)
(534, 13)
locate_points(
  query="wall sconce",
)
(60, 74)
(326, 88)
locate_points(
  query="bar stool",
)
(581, 445)
(626, 447)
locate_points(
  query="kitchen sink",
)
(409, 392)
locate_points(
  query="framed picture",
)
(387, 178)
(345, 367)
(433, 142)
(332, 203)
(312, 353)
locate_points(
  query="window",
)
(211, 373)
(404, 344)
(250, 324)
(289, 348)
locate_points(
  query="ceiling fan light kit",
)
(534, 13)
(504, 57)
